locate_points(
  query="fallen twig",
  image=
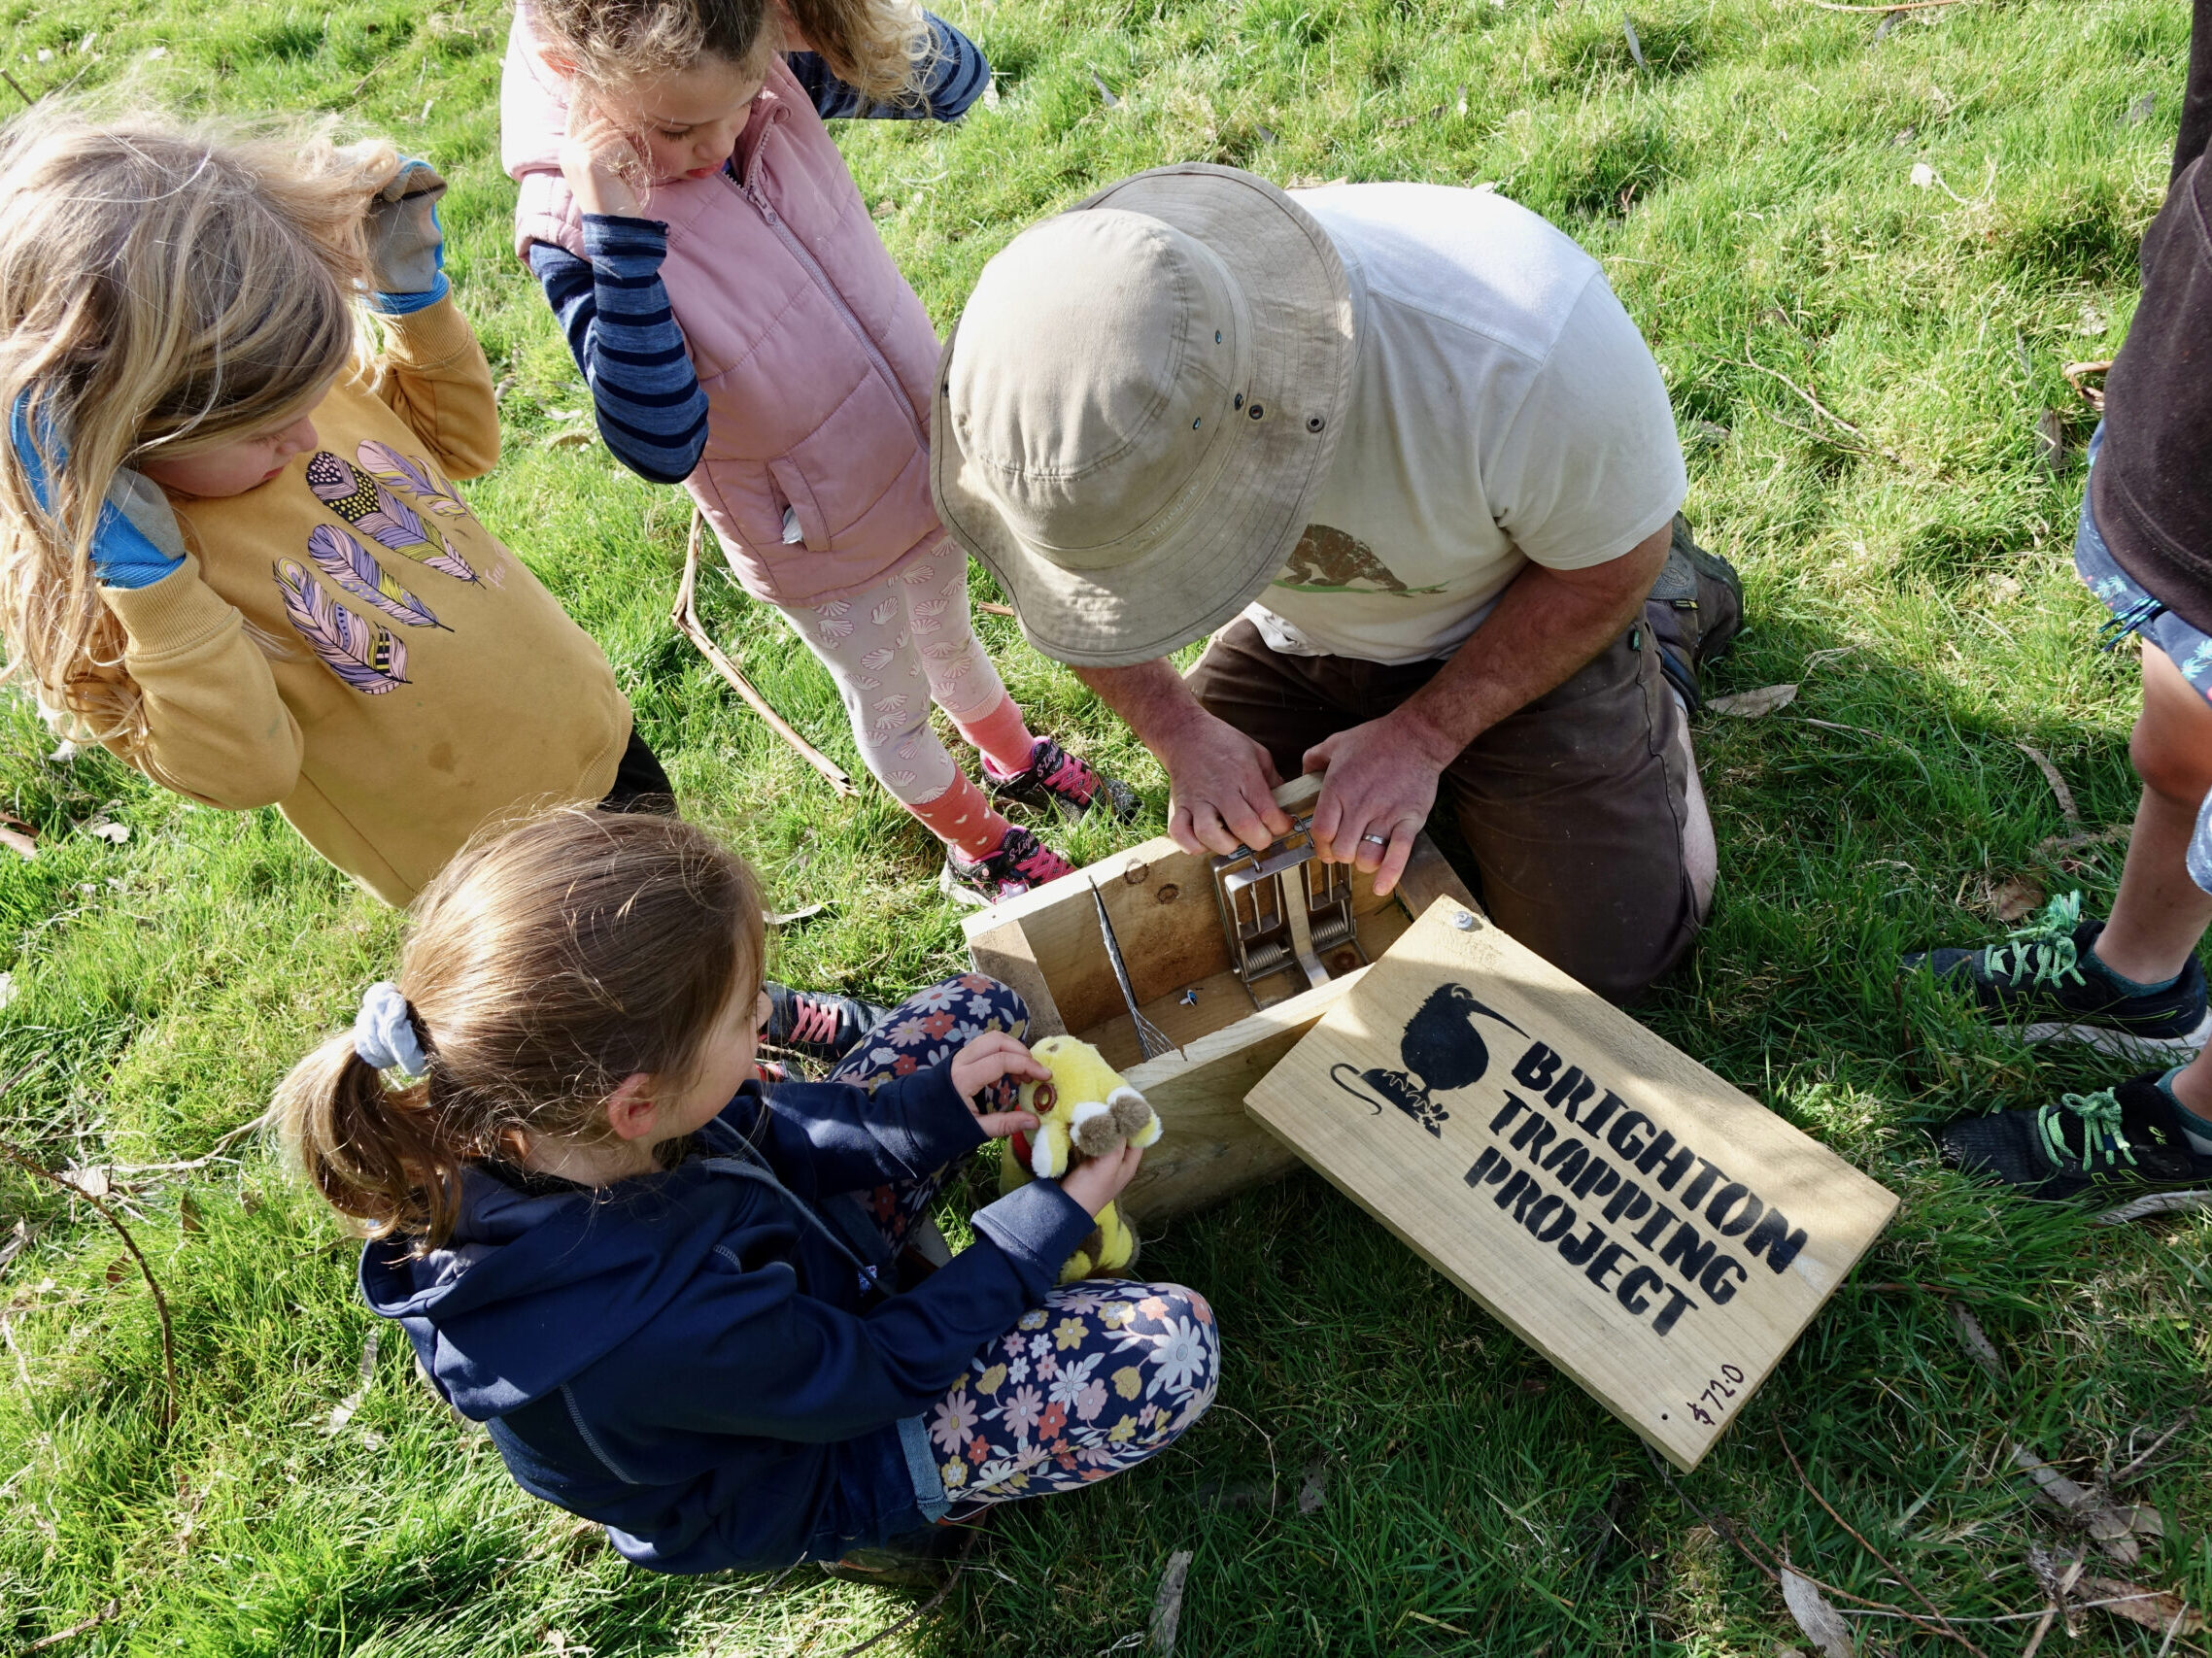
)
(29, 1166)
(75, 1629)
(1894, 1570)
(1774, 1569)
(685, 615)
(975, 1530)
(2077, 372)
(2142, 1462)
(1901, 6)
(1911, 752)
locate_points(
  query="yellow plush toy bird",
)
(1085, 1110)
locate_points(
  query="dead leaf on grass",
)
(2067, 807)
(2112, 1527)
(785, 917)
(1821, 1624)
(1635, 45)
(1316, 1489)
(2140, 110)
(2153, 1609)
(1168, 1604)
(1754, 704)
(342, 1412)
(573, 439)
(18, 835)
(1978, 1343)
(2051, 441)
(2013, 899)
(91, 1181)
(189, 1214)
(2154, 1203)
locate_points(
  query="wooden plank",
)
(1212, 1147)
(1003, 952)
(1161, 900)
(1659, 1236)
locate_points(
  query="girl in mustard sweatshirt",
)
(230, 546)
(230, 549)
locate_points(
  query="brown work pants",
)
(1575, 807)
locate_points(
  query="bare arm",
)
(1220, 783)
(1547, 624)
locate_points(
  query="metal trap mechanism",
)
(1271, 923)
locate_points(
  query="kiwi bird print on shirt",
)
(381, 515)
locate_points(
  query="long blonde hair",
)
(544, 965)
(164, 288)
(881, 49)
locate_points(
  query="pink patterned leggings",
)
(893, 650)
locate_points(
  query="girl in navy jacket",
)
(676, 1301)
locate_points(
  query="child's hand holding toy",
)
(995, 1056)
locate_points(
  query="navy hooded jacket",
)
(696, 1359)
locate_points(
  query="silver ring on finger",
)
(1375, 840)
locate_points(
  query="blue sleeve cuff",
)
(608, 235)
(407, 304)
(1037, 1226)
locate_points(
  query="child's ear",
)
(631, 1110)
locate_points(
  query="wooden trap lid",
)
(1659, 1236)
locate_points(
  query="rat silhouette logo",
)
(1443, 1050)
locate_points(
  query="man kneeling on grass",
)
(1405, 441)
(2132, 986)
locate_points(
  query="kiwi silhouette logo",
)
(1441, 1049)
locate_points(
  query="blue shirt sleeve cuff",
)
(1037, 1226)
(407, 304)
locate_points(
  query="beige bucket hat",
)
(1138, 408)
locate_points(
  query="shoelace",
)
(2043, 952)
(1072, 778)
(1040, 862)
(2102, 1137)
(812, 1021)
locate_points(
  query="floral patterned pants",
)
(1105, 1374)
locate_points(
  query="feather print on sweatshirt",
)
(353, 567)
(381, 515)
(357, 651)
(403, 473)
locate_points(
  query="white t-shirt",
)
(1504, 409)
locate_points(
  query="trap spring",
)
(1273, 925)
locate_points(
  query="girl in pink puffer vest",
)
(754, 340)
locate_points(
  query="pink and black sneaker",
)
(816, 1023)
(1021, 861)
(1057, 779)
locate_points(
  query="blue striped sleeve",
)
(625, 339)
(958, 75)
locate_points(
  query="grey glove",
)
(406, 243)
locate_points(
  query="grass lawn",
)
(1859, 364)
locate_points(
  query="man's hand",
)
(602, 166)
(1220, 783)
(1220, 788)
(1381, 780)
(992, 1056)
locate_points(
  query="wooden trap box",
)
(1048, 945)
(1658, 1234)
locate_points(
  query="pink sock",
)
(1003, 736)
(963, 816)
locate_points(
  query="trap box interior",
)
(1656, 1234)
(1048, 945)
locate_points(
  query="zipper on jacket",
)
(751, 191)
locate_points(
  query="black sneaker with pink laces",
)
(1021, 861)
(1057, 779)
(815, 1024)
